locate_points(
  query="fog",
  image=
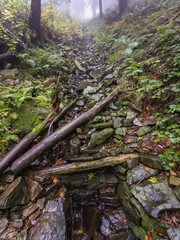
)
(83, 10)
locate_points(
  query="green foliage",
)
(14, 97)
(11, 98)
(112, 57)
(6, 135)
(37, 129)
(169, 157)
(13, 23)
(58, 26)
(147, 54)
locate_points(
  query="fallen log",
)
(83, 166)
(80, 159)
(24, 143)
(25, 160)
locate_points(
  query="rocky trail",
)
(102, 180)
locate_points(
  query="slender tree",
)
(94, 5)
(122, 5)
(35, 17)
(100, 9)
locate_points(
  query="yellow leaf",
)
(90, 175)
(152, 179)
(143, 198)
(171, 164)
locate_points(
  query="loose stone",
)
(138, 173)
(99, 137)
(143, 130)
(13, 194)
(156, 197)
(174, 181)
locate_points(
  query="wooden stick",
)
(24, 161)
(83, 166)
(22, 145)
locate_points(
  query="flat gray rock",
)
(174, 233)
(12, 195)
(138, 173)
(137, 122)
(34, 189)
(54, 206)
(131, 115)
(3, 224)
(156, 197)
(117, 122)
(96, 97)
(51, 225)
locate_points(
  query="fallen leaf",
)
(172, 172)
(55, 180)
(152, 180)
(90, 175)
(61, 194)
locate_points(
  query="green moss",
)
(150, 223)
(140, 133)
(137, 230)
(120, 144)
(29, 116)
(37, 129)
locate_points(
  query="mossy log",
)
(25, 160)
(24, 143)
(83, 166)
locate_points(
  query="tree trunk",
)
(94, 11)
(119, 5)
(122, 5)
(100, 9)
(84, 166)
(25, 160)
(35, 17)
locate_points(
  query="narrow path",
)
(105, 204)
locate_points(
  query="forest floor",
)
(135, 135)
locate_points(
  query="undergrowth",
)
(144, 48)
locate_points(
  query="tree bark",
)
(84, 166)
(100, 9)
(22, 145)
(35, 17)
(24, 161)
(122, 5)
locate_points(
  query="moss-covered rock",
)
(151, 161)
(99, 137)
(137, 230)
(30, 116)
(143, 130)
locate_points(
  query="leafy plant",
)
(169, 157)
